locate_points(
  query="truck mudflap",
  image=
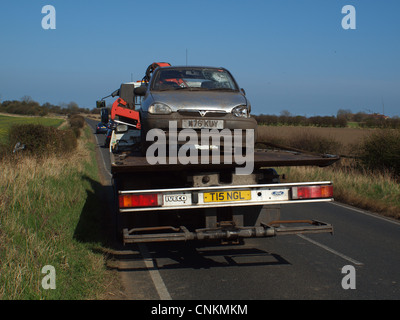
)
(225, 232)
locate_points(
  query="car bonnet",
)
(200, 100)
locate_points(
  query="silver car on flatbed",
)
(194, 98)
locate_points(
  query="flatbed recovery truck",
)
(175, 202)
(171, 201)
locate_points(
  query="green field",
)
(7, 121)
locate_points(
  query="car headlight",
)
(241, 111)
(159, 108)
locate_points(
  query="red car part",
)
(120, 113)
(153, 67)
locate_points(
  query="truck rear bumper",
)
(223, 196)
(224, 232)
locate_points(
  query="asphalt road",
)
(306, 267)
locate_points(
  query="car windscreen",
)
(193, 78)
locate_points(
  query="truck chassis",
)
(174, 202)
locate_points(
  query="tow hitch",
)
(226, 232)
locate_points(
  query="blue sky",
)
(288, 54)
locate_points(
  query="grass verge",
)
(49, 215)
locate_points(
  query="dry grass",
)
(374, 191)
(346, 137)
(22, 177)
(41, 203)
(17, 172)
(377, 192)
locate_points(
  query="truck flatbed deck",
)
(134, 162)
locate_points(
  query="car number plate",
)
(217, 196)
(202, 124)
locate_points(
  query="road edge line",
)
(368, 213)
(343, 256)
(154, 273)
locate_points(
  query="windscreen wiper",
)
(221, 89)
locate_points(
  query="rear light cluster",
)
(138, 200)
(312, 192)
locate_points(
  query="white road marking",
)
(154, 273)
(102, 157)
(353, 261)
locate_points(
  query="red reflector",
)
(138, 200)
(312, 192)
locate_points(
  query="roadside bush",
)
(42, 140)
(31, 108)
(76, 122)
(76, 131)
(381, 152)
(317, 121)
(4, 151)
(68, 141)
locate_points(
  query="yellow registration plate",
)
(217, 196)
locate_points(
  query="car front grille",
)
(202, 113)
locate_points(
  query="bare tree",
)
(27, 99)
